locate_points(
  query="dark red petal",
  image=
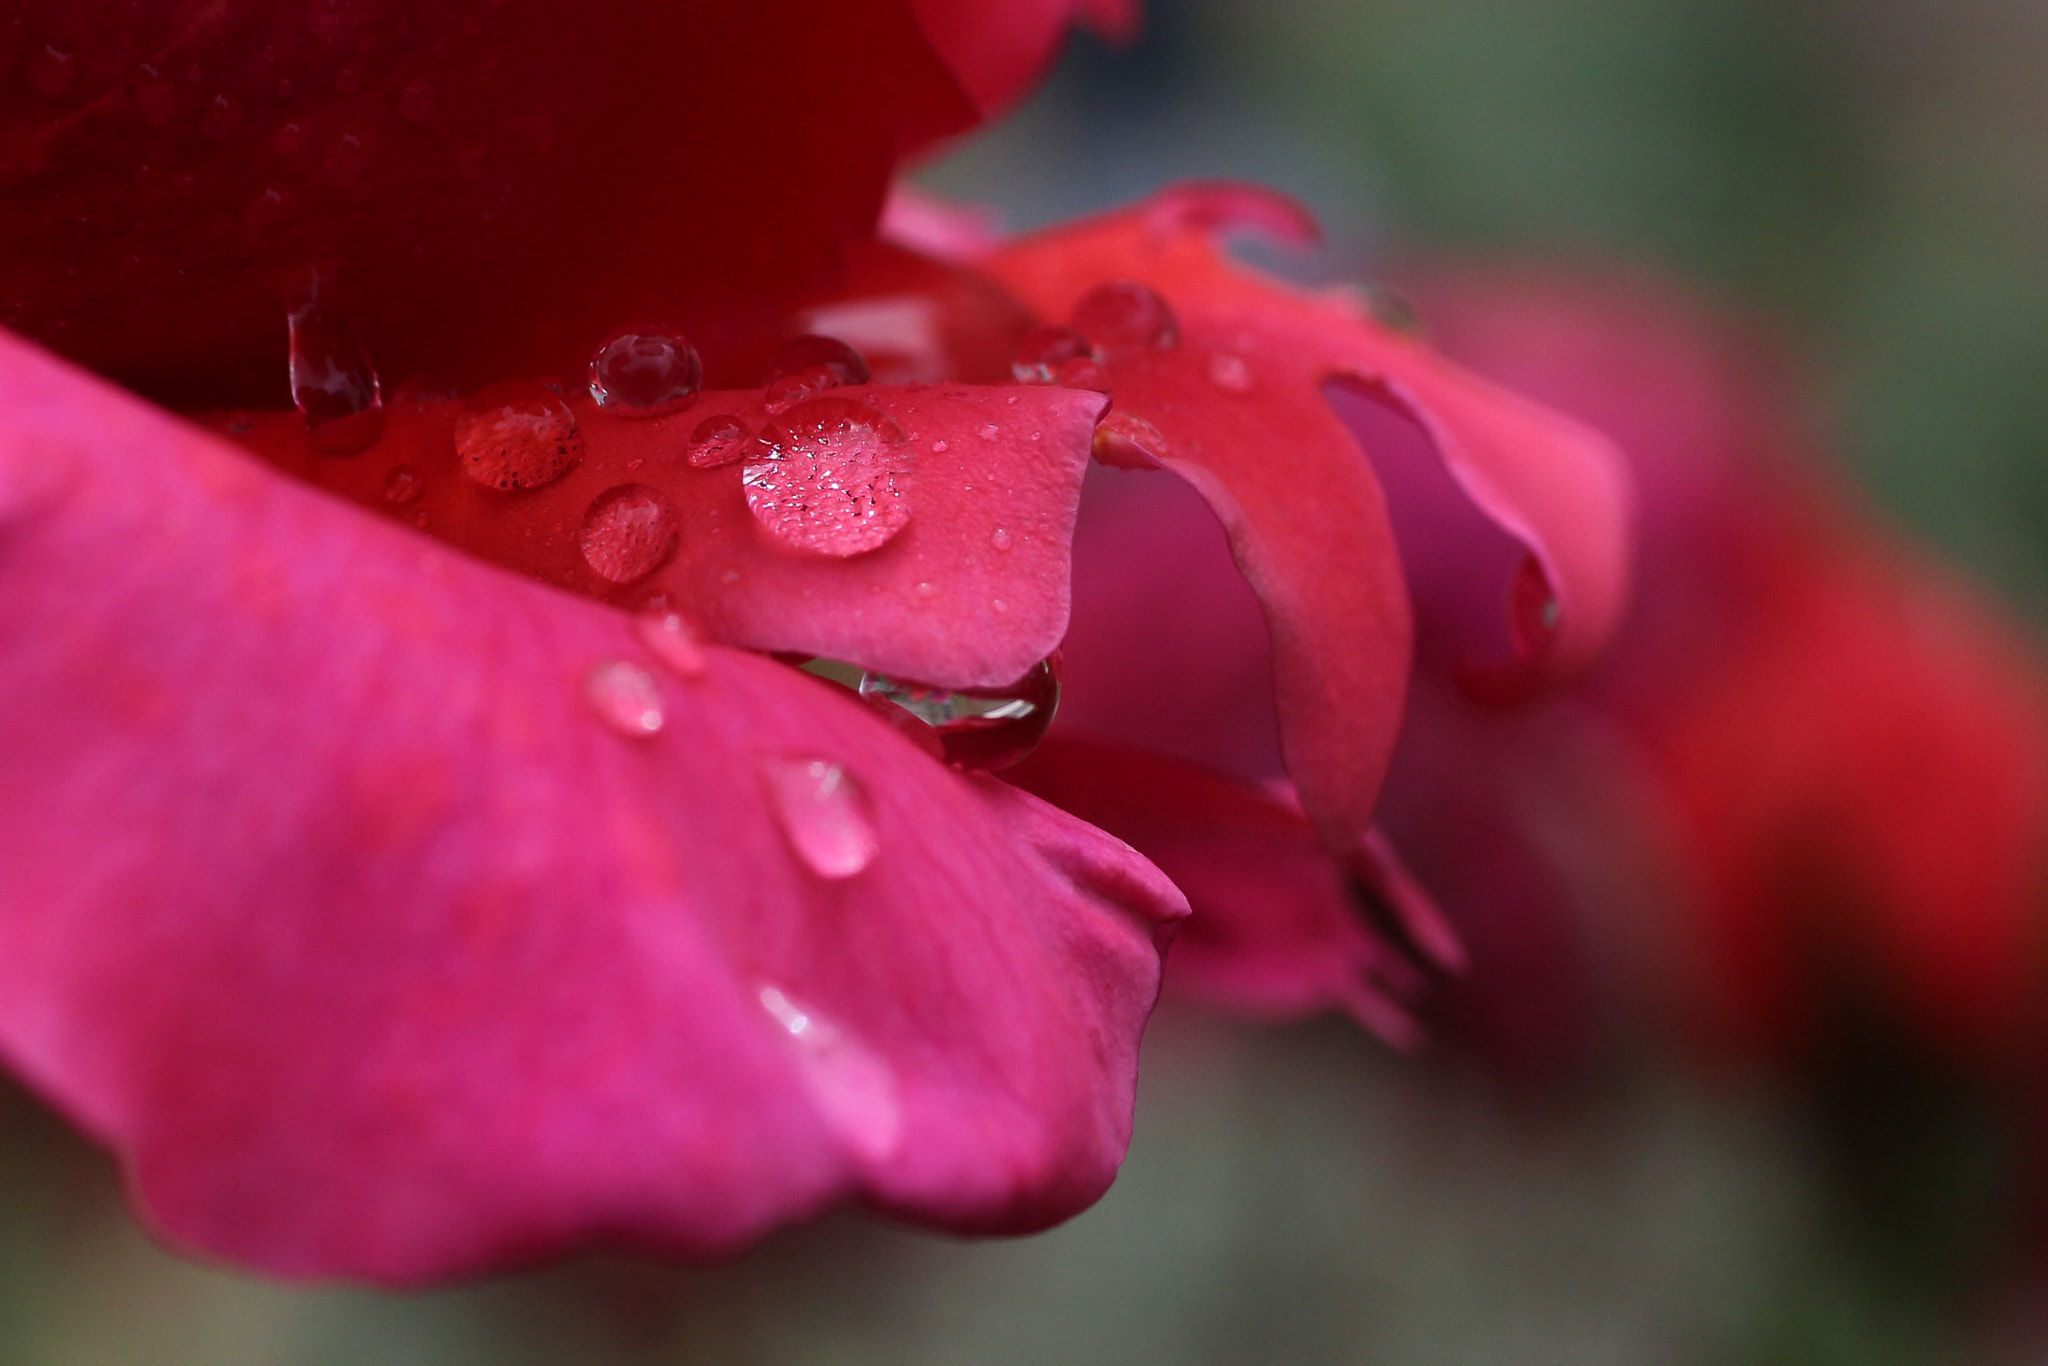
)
(971, 593)
(355, 900)
(1276, 932)
(1237, 408)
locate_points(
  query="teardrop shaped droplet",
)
(979, 728)
(786, 392)
(626, 698)
(334, 385)
(673, 641)
(1043, 350)
(855, 1091)
(402, 485)
(831, 478)
(517, 435)
(847, 365)
(645, 372)
(1126, 318)
(629, 532)
(1230, 374)
(720, 439)
(823, 811)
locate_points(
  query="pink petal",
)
(337, 907)
(949, 600)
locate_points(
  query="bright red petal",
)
(354, 898)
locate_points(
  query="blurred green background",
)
(1872, 173)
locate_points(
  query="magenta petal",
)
(376, 943)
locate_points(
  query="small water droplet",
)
(629, 532)
(1230, 373)
(939, 447)
(626, 698)
(517, 435)
(222, 117)
(669, 636)
(854, 1090)
(926, 589)
(1126, 441)
(1085, 374)
(988, 431)
(52, 72)
(1000, 540)
(847, 365)
(786, 392)
(831, 478)
(998, 606)
(645, 372)
(402, 485)
(1124, 317)
(334, 386)
(1533, 609)
(416, 101)
(1043, 350)
(720, 440)
(978, 728)
(823, 811)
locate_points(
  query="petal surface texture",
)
(396, 917)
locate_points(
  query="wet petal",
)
(394, 916)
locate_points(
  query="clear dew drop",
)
(823, 811)
(403, 485)
(978, 728)
(517, 435)
(988, 431)
(626, 698)
(645, 372)
(629, 532)
(846, 365)
(939, 447)
(854, 1090)
(787, 391)
(831, 478)
(720, 439)
(334, 385)
(1001, 539)
(1230, 374)
(671, 639)
(1124, 317)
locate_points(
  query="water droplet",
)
(854, 1090)
(830, 478)
(222, 117)
(823, 811)
(1001, 539)
(348, 156)
(847, 365)
(52, 72)
(988, 431)
(1124, 317)
(926, 589)
(517, 435)
(1043, 350)
(402, 485)
(1230, 373)
(645, 372)
(979, 728)
(939, 447)
(1128, 442)
(289, 139)
(720, 440)
(416, 101)
(629, 532)
(1533, 609)
(1085, 374)
(786, 392)
(998, 605)
(672, 640)
(334, 386)
(626, 698)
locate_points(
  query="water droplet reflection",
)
(832, 478)
(978, 728)
(517, 435)
(1125, 317)
(645, 372)
(629, 532)
(334, 385)
(823, 812)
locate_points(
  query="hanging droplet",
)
(854, 1090)
(517, 435)
(1533, 610)
(626, 698)
(720, 439)
(334, 385)
(979, 728)
(1043, 350)
(823, 811)
(402, 485)
(645, 372)
(847, 365)
(789, 390)
(1000, 540)
(830, 478)
(629, 532)
(672, 640)
(1126, 318)
(1230, 373)
(1128, 442)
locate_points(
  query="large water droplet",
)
(334, 385)
(517, 435)
(720, 440)
(628, 533)
(980, 728)
(855, 1090)
(1126, 318)
(847, 365)
(831, 478)
(786, 392)
(673, 641)
(824, 814)
(1043, 350)
(645, 372)
(626, 698)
